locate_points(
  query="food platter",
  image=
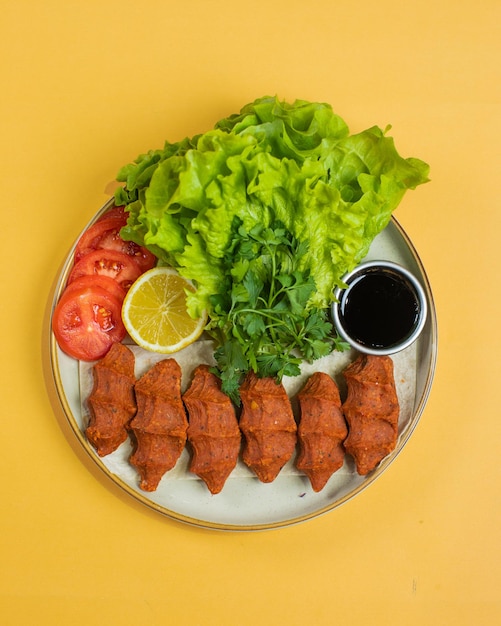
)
(246, 504)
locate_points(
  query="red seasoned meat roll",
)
(160, 423)
(268, 426)
(371, 409)
(321, 431)
(112, 402)
(213, 430)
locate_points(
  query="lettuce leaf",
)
(295, 164)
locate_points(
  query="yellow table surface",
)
(86, 87)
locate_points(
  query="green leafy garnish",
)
(261, 318)
(265, 213)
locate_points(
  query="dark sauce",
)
(379, 309)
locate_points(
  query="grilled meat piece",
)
(371, 409)
(268, 426)
(213, 430)
(321, 431)
(160, 423)
(112, 402)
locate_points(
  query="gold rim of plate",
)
(427, 346)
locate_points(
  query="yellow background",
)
(86, 87)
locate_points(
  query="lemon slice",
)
(155, 315)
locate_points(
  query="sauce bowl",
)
(381, 309)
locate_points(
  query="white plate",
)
(245, 503)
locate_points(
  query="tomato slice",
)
(87, 321)
(112, 263)
(115, 211)
(104, 230)
(103, 282)
(105, 234)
